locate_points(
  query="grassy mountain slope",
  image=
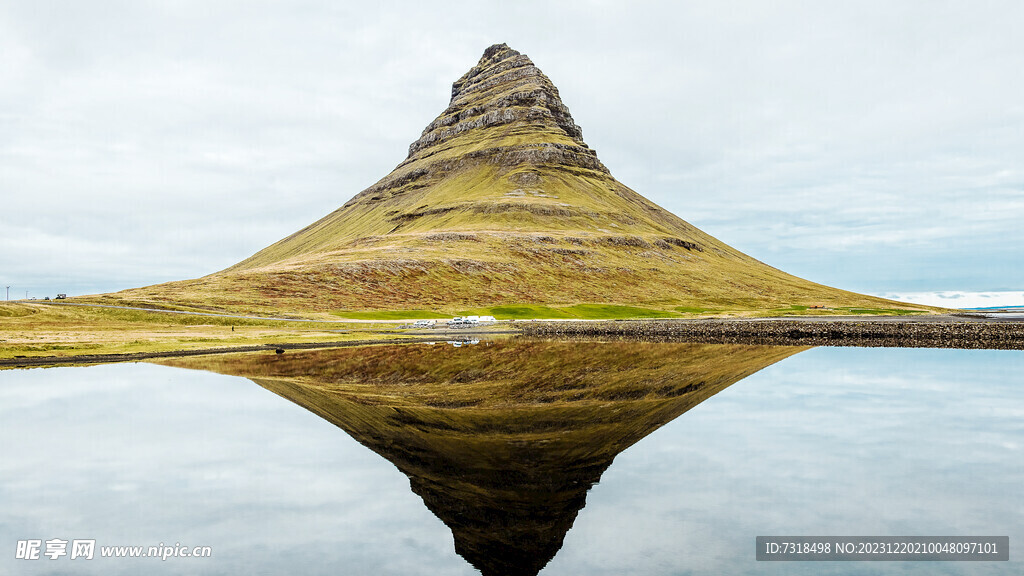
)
(500, 201)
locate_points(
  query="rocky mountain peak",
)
(504, 100)
(492, 55)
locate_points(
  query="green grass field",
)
(517, 312)
(388, 314)
(607, 312)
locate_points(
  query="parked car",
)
(463, 321)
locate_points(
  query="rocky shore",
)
(926, 332)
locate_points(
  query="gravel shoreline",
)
(901, 332)
(41, 361)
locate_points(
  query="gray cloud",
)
(866, 145)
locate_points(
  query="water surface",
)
(563, 458)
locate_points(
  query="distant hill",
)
(500, 201)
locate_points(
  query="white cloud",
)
(804, 133)
(954, 299)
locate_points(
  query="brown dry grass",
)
(29, 329)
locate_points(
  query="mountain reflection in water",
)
(501, 440)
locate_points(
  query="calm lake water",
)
(285, 465)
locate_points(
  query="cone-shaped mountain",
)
(501, 201)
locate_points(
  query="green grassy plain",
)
(578, 311)
(610, 312)
(387, 314)
(37, 329)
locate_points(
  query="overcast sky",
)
(873, 146)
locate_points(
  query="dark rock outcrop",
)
(925, 332)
